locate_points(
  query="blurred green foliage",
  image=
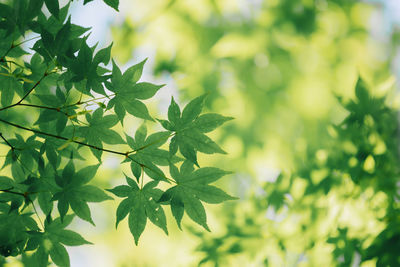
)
(314, 147)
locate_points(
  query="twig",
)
(26, 197)
(25, 96)
(5, 140)
(33, 88)
(8, 51)
(61, 137)
(44, 107)
(13, 62)
(126, 154)
(16, 45)
(12, 192)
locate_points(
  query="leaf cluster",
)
(362, 153)
(62, 97)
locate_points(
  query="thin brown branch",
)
(33, 88)
(11, 192)
(62, 138)
(6, 53)
(16, 45)
(30, 91)
(5, 140)
(26, 197)
(44, 107)
(126, 154)
(25, 96)
(11, 62)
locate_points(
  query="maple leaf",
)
(193, 186)
(147, 154)
(75, 193)
(140, 204)
(128, 92)
(51, 241)
(98, 131)
(189, 128)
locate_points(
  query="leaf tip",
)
(233, 198)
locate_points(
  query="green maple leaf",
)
(192, 188)
(189, 128)
(27, 153)
(85, 67)
(140, 204)
(128, 92)
(8, 86)
(73, 191)
(52, 240)
(13, 230)
(98, 132)
(57, 233)
(49, 115)
(148, 154)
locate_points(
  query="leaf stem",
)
(87, 101)
(8, 51)
(11, 192)
(12, 62)
(147, 167)
(26, 95)
(25, 41)
(16, 45)
(5, 140)
(150, 144)
(37, 214)
(33, 88)
(141, 185)
(25, 195)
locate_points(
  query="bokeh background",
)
(314, 161)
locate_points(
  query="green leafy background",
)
(313, 146)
